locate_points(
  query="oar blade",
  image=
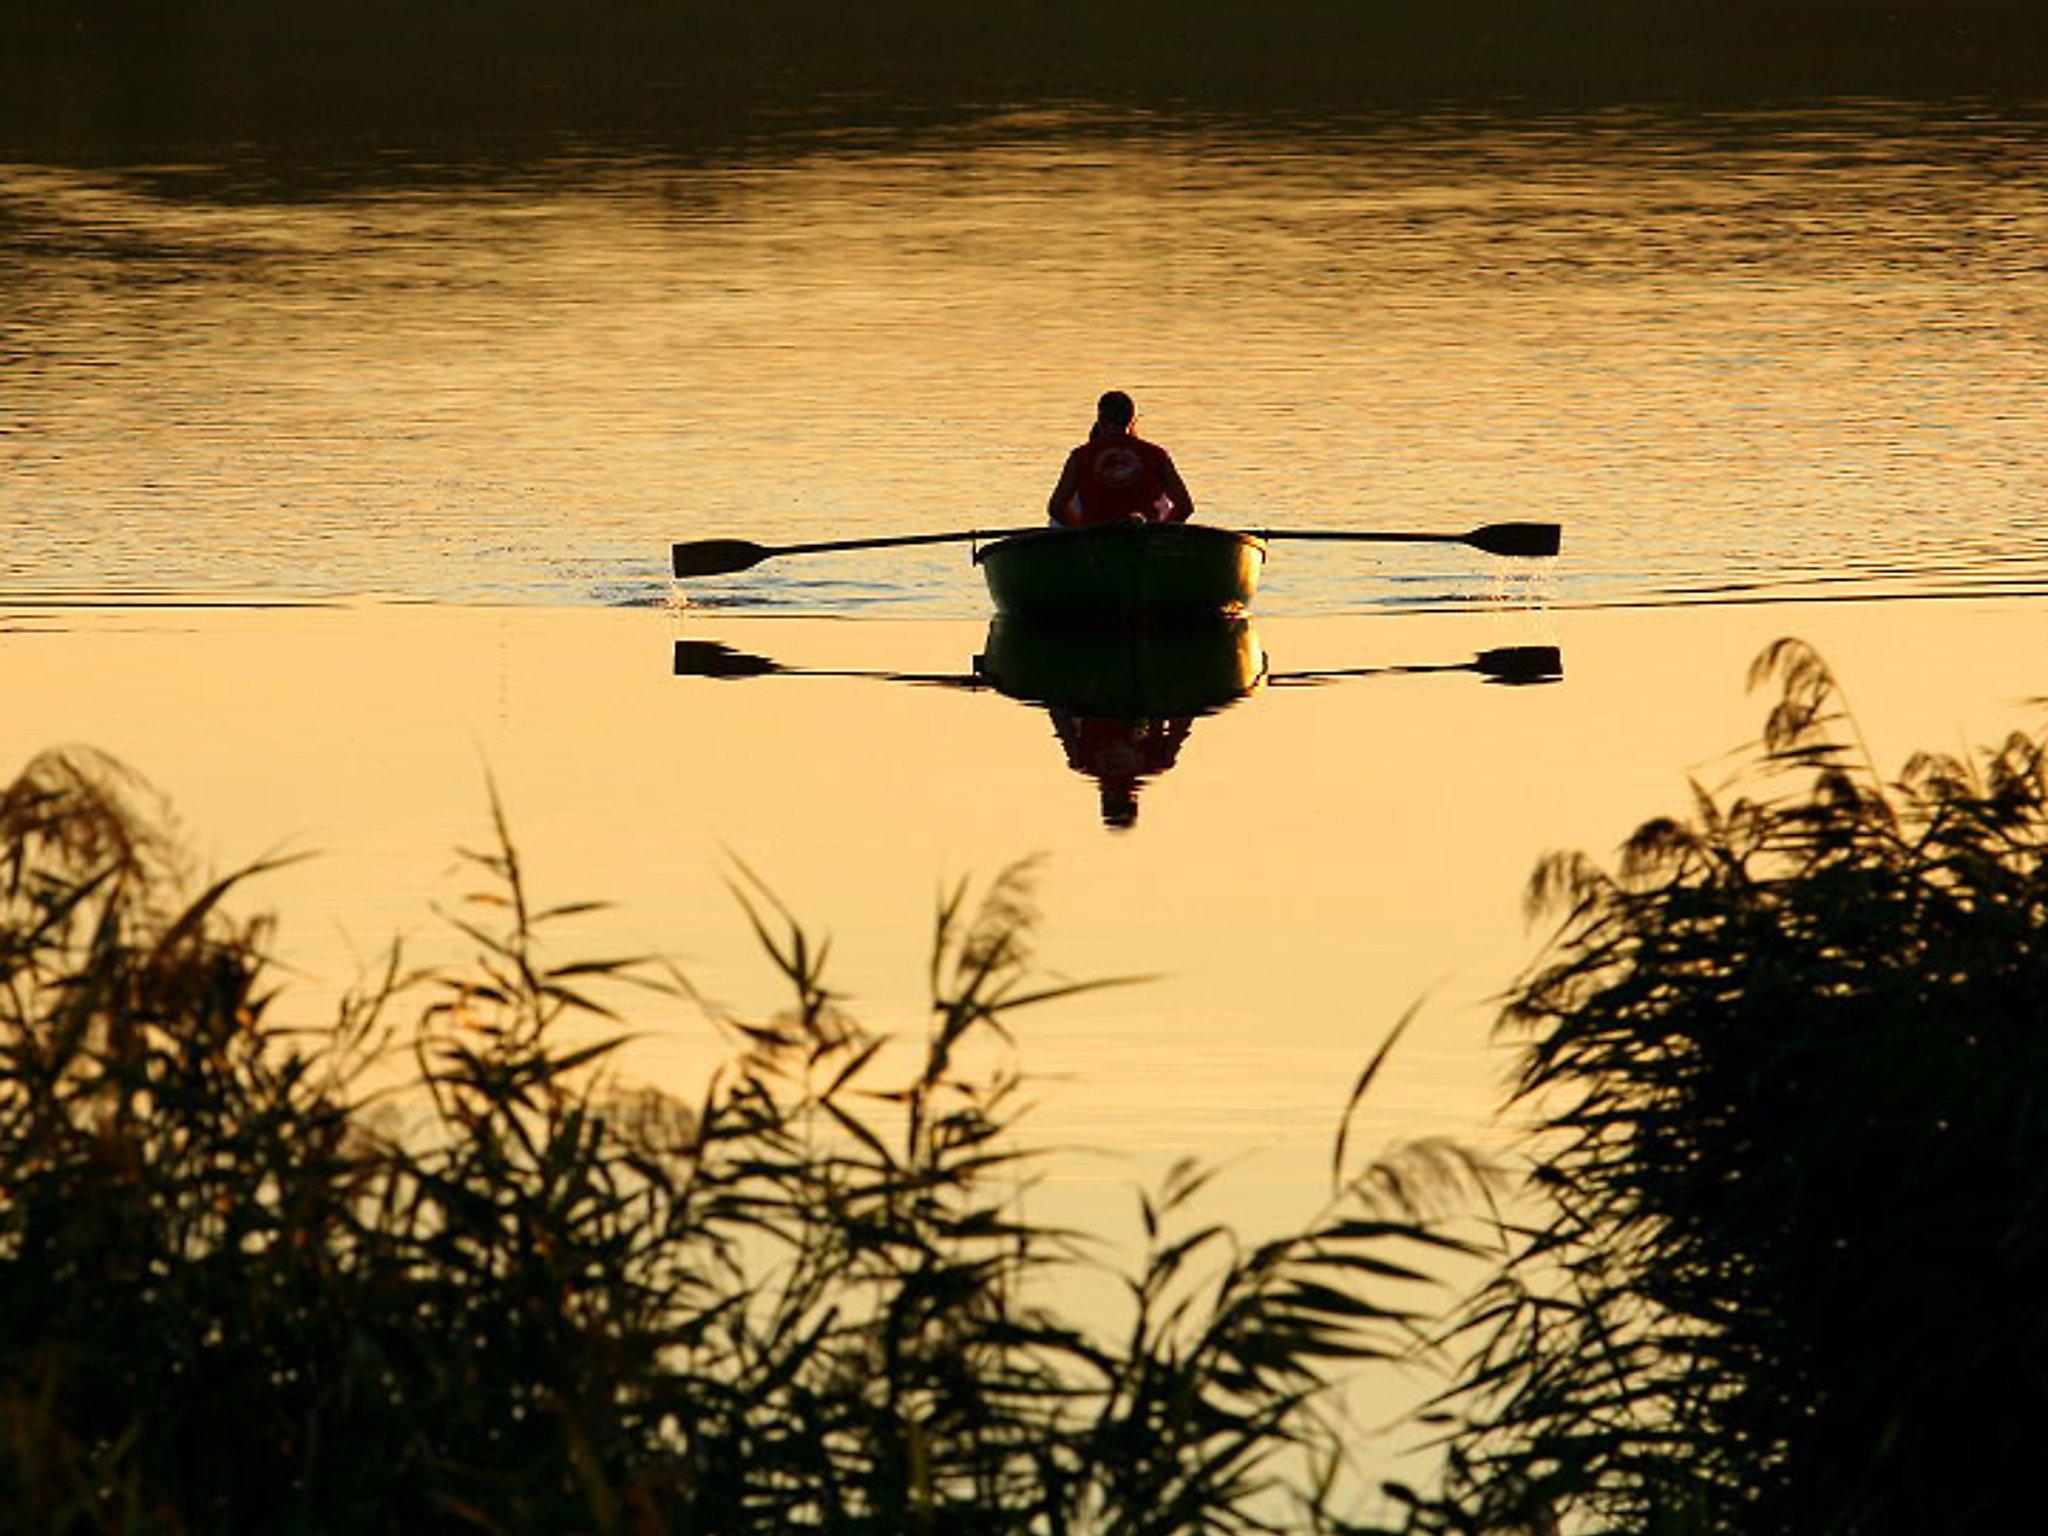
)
(1520, 664)
(1515, 538)
(707, 658)
(716, 557)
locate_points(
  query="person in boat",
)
(1116, 476)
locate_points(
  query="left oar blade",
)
(1515, 538)
(707, 658)
(717, 557)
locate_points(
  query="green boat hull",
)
(1123, 573)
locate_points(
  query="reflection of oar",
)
(1504, 664)
(707, 658)
(718, 557)
(1494, 538)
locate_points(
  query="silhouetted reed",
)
(1786, 1069)
(431, 1266)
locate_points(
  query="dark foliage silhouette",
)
(1785, 1067)
(431, 1266)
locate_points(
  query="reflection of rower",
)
(1122, 702)
(1120, 755)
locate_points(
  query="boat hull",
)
(1123, 573)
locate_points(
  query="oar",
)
(719, 557)
(708, 658)
(1494, 538)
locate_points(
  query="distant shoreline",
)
(84, 77)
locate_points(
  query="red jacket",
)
(1116, 474)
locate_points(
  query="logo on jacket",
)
(1118, 466)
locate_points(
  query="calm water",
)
(1746, 358)
(1739, 355)
(1749, 359)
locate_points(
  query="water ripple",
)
(1792, 357)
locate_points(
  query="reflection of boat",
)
(1122, 701)
(1136, 673)
(1117, 573)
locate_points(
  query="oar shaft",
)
(895, 540)
(1349, 536)
(722, 557)
(1329, 674)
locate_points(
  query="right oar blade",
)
(1515, 538)
(717, 557)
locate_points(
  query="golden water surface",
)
(327, 500)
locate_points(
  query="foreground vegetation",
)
(1788, 1067)
(429, 1268)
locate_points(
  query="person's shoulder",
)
(1156, 450)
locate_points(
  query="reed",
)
(1784, 1068)
(431, 1267)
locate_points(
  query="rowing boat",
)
(1121, 573)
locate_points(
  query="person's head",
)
(1119, 803)
(1115, 409)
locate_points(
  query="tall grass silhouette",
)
(1785, 1067)
(431, 1266)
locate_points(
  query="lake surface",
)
(338, 477)
(1745, 356)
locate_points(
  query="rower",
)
(1116, 476)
